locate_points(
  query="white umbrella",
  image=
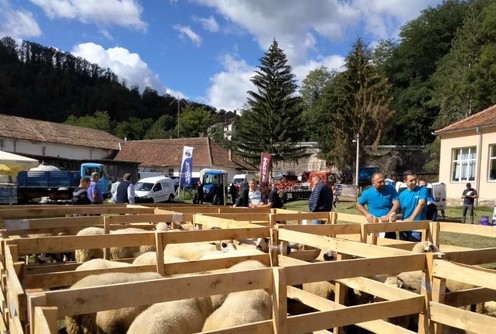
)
(11, 164)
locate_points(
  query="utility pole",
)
(357, 158)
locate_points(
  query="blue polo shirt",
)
(409, 200)
(379, 203)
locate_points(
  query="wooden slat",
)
(472, 256)
(354, 314)
(466, 320)
(260, 327)
(323, 229)
(326, 271)
(322, 304)
(88, 300)
(465, 273)
(486, 231)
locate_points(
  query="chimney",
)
(230, 154)
(201, 134)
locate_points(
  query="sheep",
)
(109, 321)
(149, 258)
(101, 264)
(196, 250)
(249, 306)
(129, 251)
(174, 317)
(83, 255)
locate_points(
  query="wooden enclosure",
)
(34, 296)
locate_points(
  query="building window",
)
(464, 162)
(492, 162)
(171, 171)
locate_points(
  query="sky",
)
(205, 50)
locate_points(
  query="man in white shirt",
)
(254, 195)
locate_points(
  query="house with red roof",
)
(468, 154)
(165, 156)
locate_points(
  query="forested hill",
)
(43, 83)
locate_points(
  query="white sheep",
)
(83, 255)
(101, 264)
(241, 307)
(193, 251)
(109, 321)
(129, 251)
(174, 317)
(150, 258)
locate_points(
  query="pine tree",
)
(355, 102)
(272, 123)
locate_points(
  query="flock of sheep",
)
(203, 313)
(180, 316)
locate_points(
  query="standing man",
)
(413, 202)
(80, 193)
(243, 199)
(270, 198)
(469, 195)
(321, 198)
(94, 192)
(381, 201)
(125, 190)
(254, 194)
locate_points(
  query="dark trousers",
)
(467, 207)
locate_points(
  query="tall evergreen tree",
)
(357, 102)
(272, 123)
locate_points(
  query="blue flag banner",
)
(186, 180)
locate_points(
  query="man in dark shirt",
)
(270, 198)
(321, 198)
(469, 195)
(124, 193)
(80, 193)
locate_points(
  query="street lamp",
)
(357, 141)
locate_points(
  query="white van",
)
(241, 178)
(154, 190)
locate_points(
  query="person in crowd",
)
(199, 193)
(270, 197)
(413, 203)
(469, 195)
(243, 199)
(125, 190)
(381, 200)
(80, 193)
(254, 194)
(94, 192)
(113, 190)
(320, 199)
(233, 191)
(431, 212)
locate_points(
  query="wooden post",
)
(106, 230)
(159, 246)
(435, 228)
(340, 291)
(279, 300)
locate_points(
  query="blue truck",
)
(58, 184)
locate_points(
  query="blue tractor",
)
(214, 184)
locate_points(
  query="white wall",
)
(482, 140)
(21, 146)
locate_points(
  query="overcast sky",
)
(205, 50)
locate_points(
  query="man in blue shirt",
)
(381, 201)
(413, 202)
(94, 192)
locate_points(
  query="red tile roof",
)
(484, 118)
(169, 152)
(42, 131)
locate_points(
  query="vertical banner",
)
(186, 180)
(265, 167)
